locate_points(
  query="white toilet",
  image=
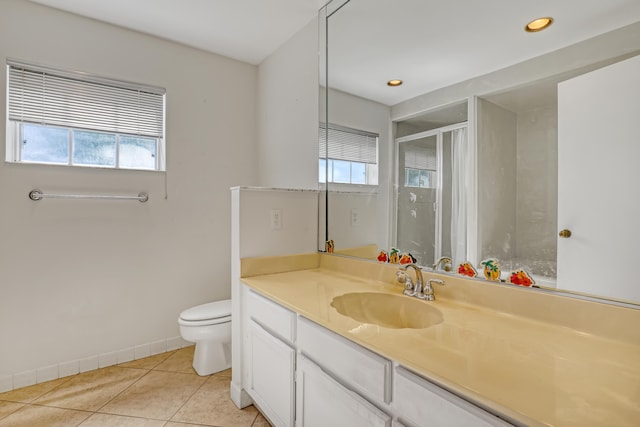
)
(209, 326)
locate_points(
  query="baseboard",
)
(73, 367)
(239, 396)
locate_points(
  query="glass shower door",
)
(417, 197)
(431, 208)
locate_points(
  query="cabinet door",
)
(271, 376)
(424, 404)
(321, 401)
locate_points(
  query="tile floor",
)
(156, 391)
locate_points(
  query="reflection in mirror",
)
(503, 85)
(518, 179)
(431, 219)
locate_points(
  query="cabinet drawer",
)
(358, 368)
(273, 317)
(422, 403)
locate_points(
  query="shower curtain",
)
(460, 176)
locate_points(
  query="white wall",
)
(288, 112)
(497, 133)
(299, 223)
(537, 189)
(518, 167)
(80, 278)
(253, 236)
(363, 114)
(353, 219)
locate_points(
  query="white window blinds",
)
(348, 144)
(417, 157)
(52, 97)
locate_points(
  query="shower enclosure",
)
(432, 180)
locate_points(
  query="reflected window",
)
(347, 156)
(419, 178)
(420, 161)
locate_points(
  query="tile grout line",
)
(149, 370)
(122, 391)
(146, 372)
(31, 403)
(68, 378)
(97, 411)
(123, 416)
(13, 412)
(189, 398)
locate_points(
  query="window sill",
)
(350, 188)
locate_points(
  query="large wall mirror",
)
(500, 144)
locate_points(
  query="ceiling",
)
(246, 30)
(431, 44)
(427, 43)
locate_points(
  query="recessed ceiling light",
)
(394, 82)
(538, 24)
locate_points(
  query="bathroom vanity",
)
(299, 369)
(483, 355)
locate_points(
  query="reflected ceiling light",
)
(394, 82)
(538, 24)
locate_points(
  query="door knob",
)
(565, 233)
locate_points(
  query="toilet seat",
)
(206, 314)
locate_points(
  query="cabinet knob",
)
(565, 233)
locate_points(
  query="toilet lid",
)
(212, 310)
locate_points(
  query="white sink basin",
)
(387, 310)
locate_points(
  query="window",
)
(68, 118)
(419, 178)
(420, 165)
(351, 156)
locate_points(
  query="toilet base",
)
(210, 358)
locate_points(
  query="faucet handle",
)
(403, 277)
(438, 281)
(427, 291)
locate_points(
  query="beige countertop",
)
(533, 371)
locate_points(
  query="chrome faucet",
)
(419, 289)
(445, 261)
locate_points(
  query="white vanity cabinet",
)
(322, 401)
(419, 402)
(301, 373)
(272, 359)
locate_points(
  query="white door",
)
(599, 181)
